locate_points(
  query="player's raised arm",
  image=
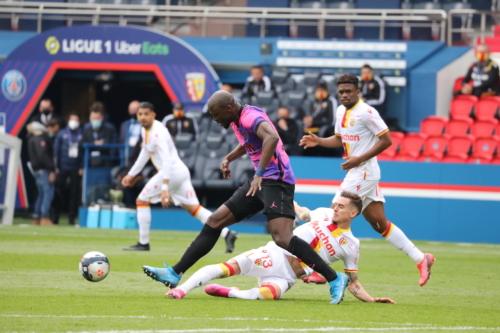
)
(360, 293)
(302, 212)
(312, 140)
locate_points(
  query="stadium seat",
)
(282, 81)
(411, 145)
(460, 145)
(471, 98)
(457, 86)
(479, 160)
(461, 108)
(187, 149)
(486, 109)
(491, 98)
(455, 158)
(433, 125)
(430, 159)
(341, 4)
(406, 158)
(213, 177)
(308, 83)
(485, 148)
(297, 102)
(267, 101)
(214, 147)
(436, 146)
(204, 125)
(389, 153)
(385, 157)
(485, 128)
(242, 170)
(496, 160)
(457, 127)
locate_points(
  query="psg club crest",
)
(195, 86)
(14, 85)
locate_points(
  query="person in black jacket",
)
(373, 90)
(288, 130)
(41, 158)
(179, 122)
(322, 110)
(257, 81)
(68, 154)
(46, 113)
(484, 75)
(98, 132)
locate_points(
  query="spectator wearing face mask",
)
(322, 110)
(68, 154)
(46, 113)
(484, 75)
(130, 130)
(99, 132)
(373, 90)
(179, 122)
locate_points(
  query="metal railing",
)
(203, 16)
(468, 14)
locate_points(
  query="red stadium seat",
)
(485, 148)
(455, 158)
(389, 153)
(412, 143)
(460, 108)
(436, 146)
(397, 136)
(491, 98)
(485, 128)
(430, 158)
(478, 160)
(471, 98)
(433, 125)
(459, 126)
(406, 158)
(460, 145)
(486, 109)
(385, 157)
(496, 160)
(457, 86)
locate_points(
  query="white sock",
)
(144, 220)
(398, 239)
(202, 214)
(201, 277)
(245, 294)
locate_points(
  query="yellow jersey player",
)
(328, 232)
(172, 183)
(363, 134)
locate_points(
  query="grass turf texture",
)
(41, 289)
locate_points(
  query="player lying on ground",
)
(328, 232)
(363, 134)
(172, 183)
(271, 191)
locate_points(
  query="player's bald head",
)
(221, 99)
(223, 108)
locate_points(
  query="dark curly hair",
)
(348, 79)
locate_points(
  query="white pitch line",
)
(53, 316)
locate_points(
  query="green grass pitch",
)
(41, 289)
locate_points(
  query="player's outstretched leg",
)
(281, 230)
(374, 213)
(203, 276)
(144, 221)
(202, 214)
(267, 291)
(202, 245)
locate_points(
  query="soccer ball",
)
(94, 266)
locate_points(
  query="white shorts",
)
(269, 264)
(368, 190)
(180, 187)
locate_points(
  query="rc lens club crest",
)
(52, 45)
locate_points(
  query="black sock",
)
(305, 252)
(199, 247)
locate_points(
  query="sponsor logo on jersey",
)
(14, 85)
(325, 239)
(347, 137)
(342, 241)
(195, 86)
(258, 262)
(244, 134)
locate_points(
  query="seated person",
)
(288, 130)
(257, 81)
(373, 90)
(179, 122)
(277, 269)
(322, 110)
(484, 75)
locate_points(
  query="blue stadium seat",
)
(187, 149)
(341, 4)
(213, 177)
(310, 80)
(282, 81)
(267, 101)
(241, 170)
(214, 147)
(296, 101)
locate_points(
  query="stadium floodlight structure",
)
(13, 145)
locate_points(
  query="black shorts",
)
(275, 199)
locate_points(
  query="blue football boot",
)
(166, 275)
(337, 288)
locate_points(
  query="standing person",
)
(484, 75)
(329, 231)
(373, 90)
(271, 190)
(130, 130)
(179, 122)
(42, 164)
(364, 135)
(46, 113)
(172, 183)
(257, 81)
(69, 162)
(98, 132)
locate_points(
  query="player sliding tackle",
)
(271, 190)
(328, 232)
(363, 134)
(172, 183)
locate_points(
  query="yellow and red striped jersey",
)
(359, 128)
(329, 241)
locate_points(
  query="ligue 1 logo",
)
(14, 85)
(52, 45)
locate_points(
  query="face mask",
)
(482, 56)
(366, 78)
(96, 124)
(73, 124)
(321, 95)
(51, 135)
(46, 111)
(178, 114)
